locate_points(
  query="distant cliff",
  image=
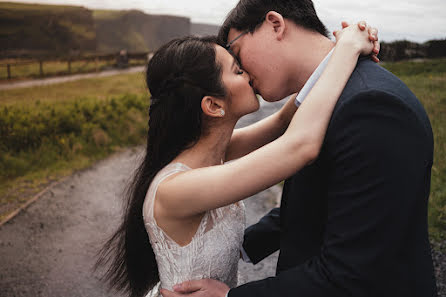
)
(136, 31)
(33, 29)
(46, 28)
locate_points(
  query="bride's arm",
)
(198, 190)
(252, 137)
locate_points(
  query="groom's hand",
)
(198, 288)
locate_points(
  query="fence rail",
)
(42, 67)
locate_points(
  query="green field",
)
(97, 88)
(49, 131)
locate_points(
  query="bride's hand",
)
(360, 41)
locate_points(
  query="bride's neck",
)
(210, 149)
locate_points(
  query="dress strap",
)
(164, 173)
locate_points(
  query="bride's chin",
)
(257, 107)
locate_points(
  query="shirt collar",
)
(312, 80)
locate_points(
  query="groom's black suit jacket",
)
(354, 223)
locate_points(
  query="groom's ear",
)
(277, 22)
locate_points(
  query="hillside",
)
(47, 28)
(136, 31)
(34, 29)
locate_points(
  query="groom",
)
(353, 223)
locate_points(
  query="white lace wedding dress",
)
(214, 250)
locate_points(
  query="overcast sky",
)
(415, 20)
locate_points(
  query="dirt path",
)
(61, 79)
(49, 248)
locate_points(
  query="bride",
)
(184, 218)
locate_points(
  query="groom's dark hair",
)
(248, 15)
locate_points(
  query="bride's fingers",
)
(373, 34)
(376, 47)
(362, 25)
(375, 58)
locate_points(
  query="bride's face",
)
(242, 99)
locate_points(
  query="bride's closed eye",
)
(238, 68)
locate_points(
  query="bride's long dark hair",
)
(179, 75)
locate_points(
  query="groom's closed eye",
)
(236, 57)
(239, 61)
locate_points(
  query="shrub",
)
(37, 135)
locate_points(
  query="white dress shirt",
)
(312, 80)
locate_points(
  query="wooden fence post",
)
(8, 68)
(96, 64)
(41, 67)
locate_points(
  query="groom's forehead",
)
(234, 37)
(233, 40)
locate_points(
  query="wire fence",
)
(11, 69)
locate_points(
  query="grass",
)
(48, 132)
(421, 67)
(100, 88)
(427, 79)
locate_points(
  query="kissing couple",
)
(355, 147)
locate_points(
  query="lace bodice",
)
(214, 250)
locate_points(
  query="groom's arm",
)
(381, 156)
(263, 239)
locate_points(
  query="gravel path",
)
(67, 78)
(440, 267)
